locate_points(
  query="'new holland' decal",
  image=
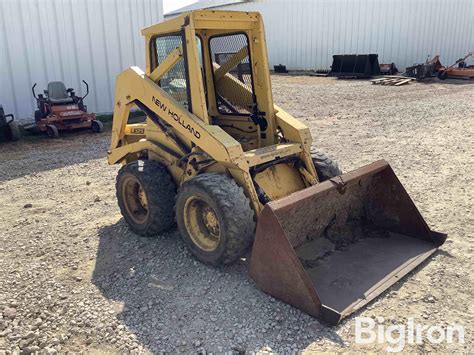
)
(176, 117)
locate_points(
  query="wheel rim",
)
(135, 200)
(202, 224)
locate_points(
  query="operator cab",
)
(234, 98)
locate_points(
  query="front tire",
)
(146, 195)
(214, 218)
(52, 131)
(326, 168)
(97, 126)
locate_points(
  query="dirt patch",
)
(74, 278)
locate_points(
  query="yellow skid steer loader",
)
(216, 156)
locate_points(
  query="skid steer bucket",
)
(333, 247)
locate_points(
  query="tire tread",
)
(160, 190)
(325, 166)
(234, 208)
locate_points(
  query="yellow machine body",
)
(234, 142)
(207, 96)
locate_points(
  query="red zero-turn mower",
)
(60, 109)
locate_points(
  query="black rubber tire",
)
(160, 192)
(326, 167)
(13, 131)
(236, 217)
(52, 131)
(97, 126)
(443, 75)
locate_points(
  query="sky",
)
(170, 5)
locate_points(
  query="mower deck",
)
(60, 109)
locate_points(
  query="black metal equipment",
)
(280, 68)
(8, 128)
(425, 70)
(360, 66)
(388, 69)
(421, 71)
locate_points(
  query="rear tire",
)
(146, 196)
(97, 126)
(214, 218)
(13, 131)
(326, 168)
(52, 131)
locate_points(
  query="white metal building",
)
(70, 40)
(305, 34)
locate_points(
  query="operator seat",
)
(57, 93)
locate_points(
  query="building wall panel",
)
(70, 40)
(304, 34)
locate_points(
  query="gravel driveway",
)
(74, 278)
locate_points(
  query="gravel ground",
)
(74, 278)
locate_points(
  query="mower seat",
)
(57, 93)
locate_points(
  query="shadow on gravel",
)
(38, 153)
(171, 302)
